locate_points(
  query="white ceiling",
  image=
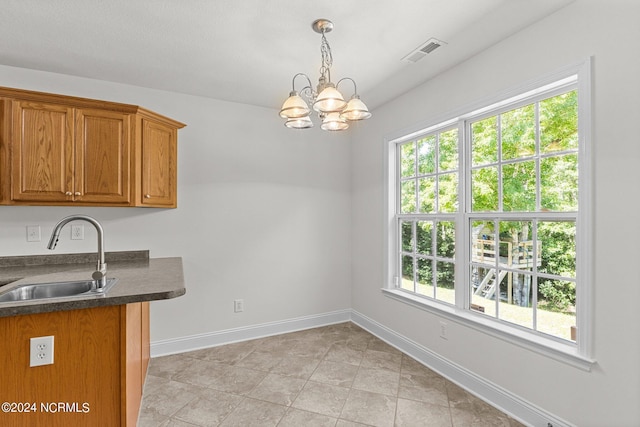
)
(248, 50)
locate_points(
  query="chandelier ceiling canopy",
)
(326, 99)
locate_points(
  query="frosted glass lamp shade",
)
(355, 110)
(329, 100)
(334, 122)
(299, 123)
(294, 107)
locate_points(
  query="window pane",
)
(519, 187)
(446, 236)
(424, 237)
(559, 123)
(483, 290)
(427, 194)
(515, 299)
(558, 245)
(448, 192)
(484, 189)
(518, 134)
(559, 183)
(427, 155)
(445, 282)
(425, 277)
(484, 141)
(407, 160)
(483, 242)
(407, 272)
(408, 196)
(516, 244)
(407, 235)
(448, 150)
(556, 313)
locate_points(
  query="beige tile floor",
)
(338, 375)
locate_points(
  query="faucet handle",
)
(100, 272)
(100, 276)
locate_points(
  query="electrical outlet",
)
(33, 233)
(443, 330)
(77, 232)
(41, 351)
(238, 305)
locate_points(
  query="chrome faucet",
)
(100, 275)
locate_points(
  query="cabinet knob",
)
(147, 196)
(78, 193)
(68, 193)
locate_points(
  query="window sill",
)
(554, 349)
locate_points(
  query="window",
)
(428, 196)
(488, 211)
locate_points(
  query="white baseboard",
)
(228, 336)
(523, 411)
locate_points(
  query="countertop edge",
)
(67, 305)
(155, 280)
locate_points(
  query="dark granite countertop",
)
(139, 279)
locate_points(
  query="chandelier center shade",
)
(326, 99)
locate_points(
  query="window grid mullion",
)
(414, 252)
(462, 284)
(534, 276)
(416, 180)
(499, 165)
(436, 187)
(538, 151)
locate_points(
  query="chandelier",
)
(326, 100)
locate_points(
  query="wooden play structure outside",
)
(517, 255)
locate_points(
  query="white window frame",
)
(578, 354)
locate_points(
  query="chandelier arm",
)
(293, 81)
(355, 88)
(306, 90)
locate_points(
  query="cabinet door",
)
(42, 152)
(159, 160)
(102, 162)
(5, 159)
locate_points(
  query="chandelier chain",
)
(327, 58)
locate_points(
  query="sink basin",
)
(73, 289)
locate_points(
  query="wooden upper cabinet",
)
(59, 150)
(159, 153)
(61, 154)
(41, 152)
(102, 157)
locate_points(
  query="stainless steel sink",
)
(72, 289)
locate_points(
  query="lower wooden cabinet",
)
(97, 378)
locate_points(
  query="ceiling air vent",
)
(422, 50)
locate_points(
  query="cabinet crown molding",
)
(78, 102)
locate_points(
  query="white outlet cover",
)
(33, 233)
(77, 232)
(41, 351)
